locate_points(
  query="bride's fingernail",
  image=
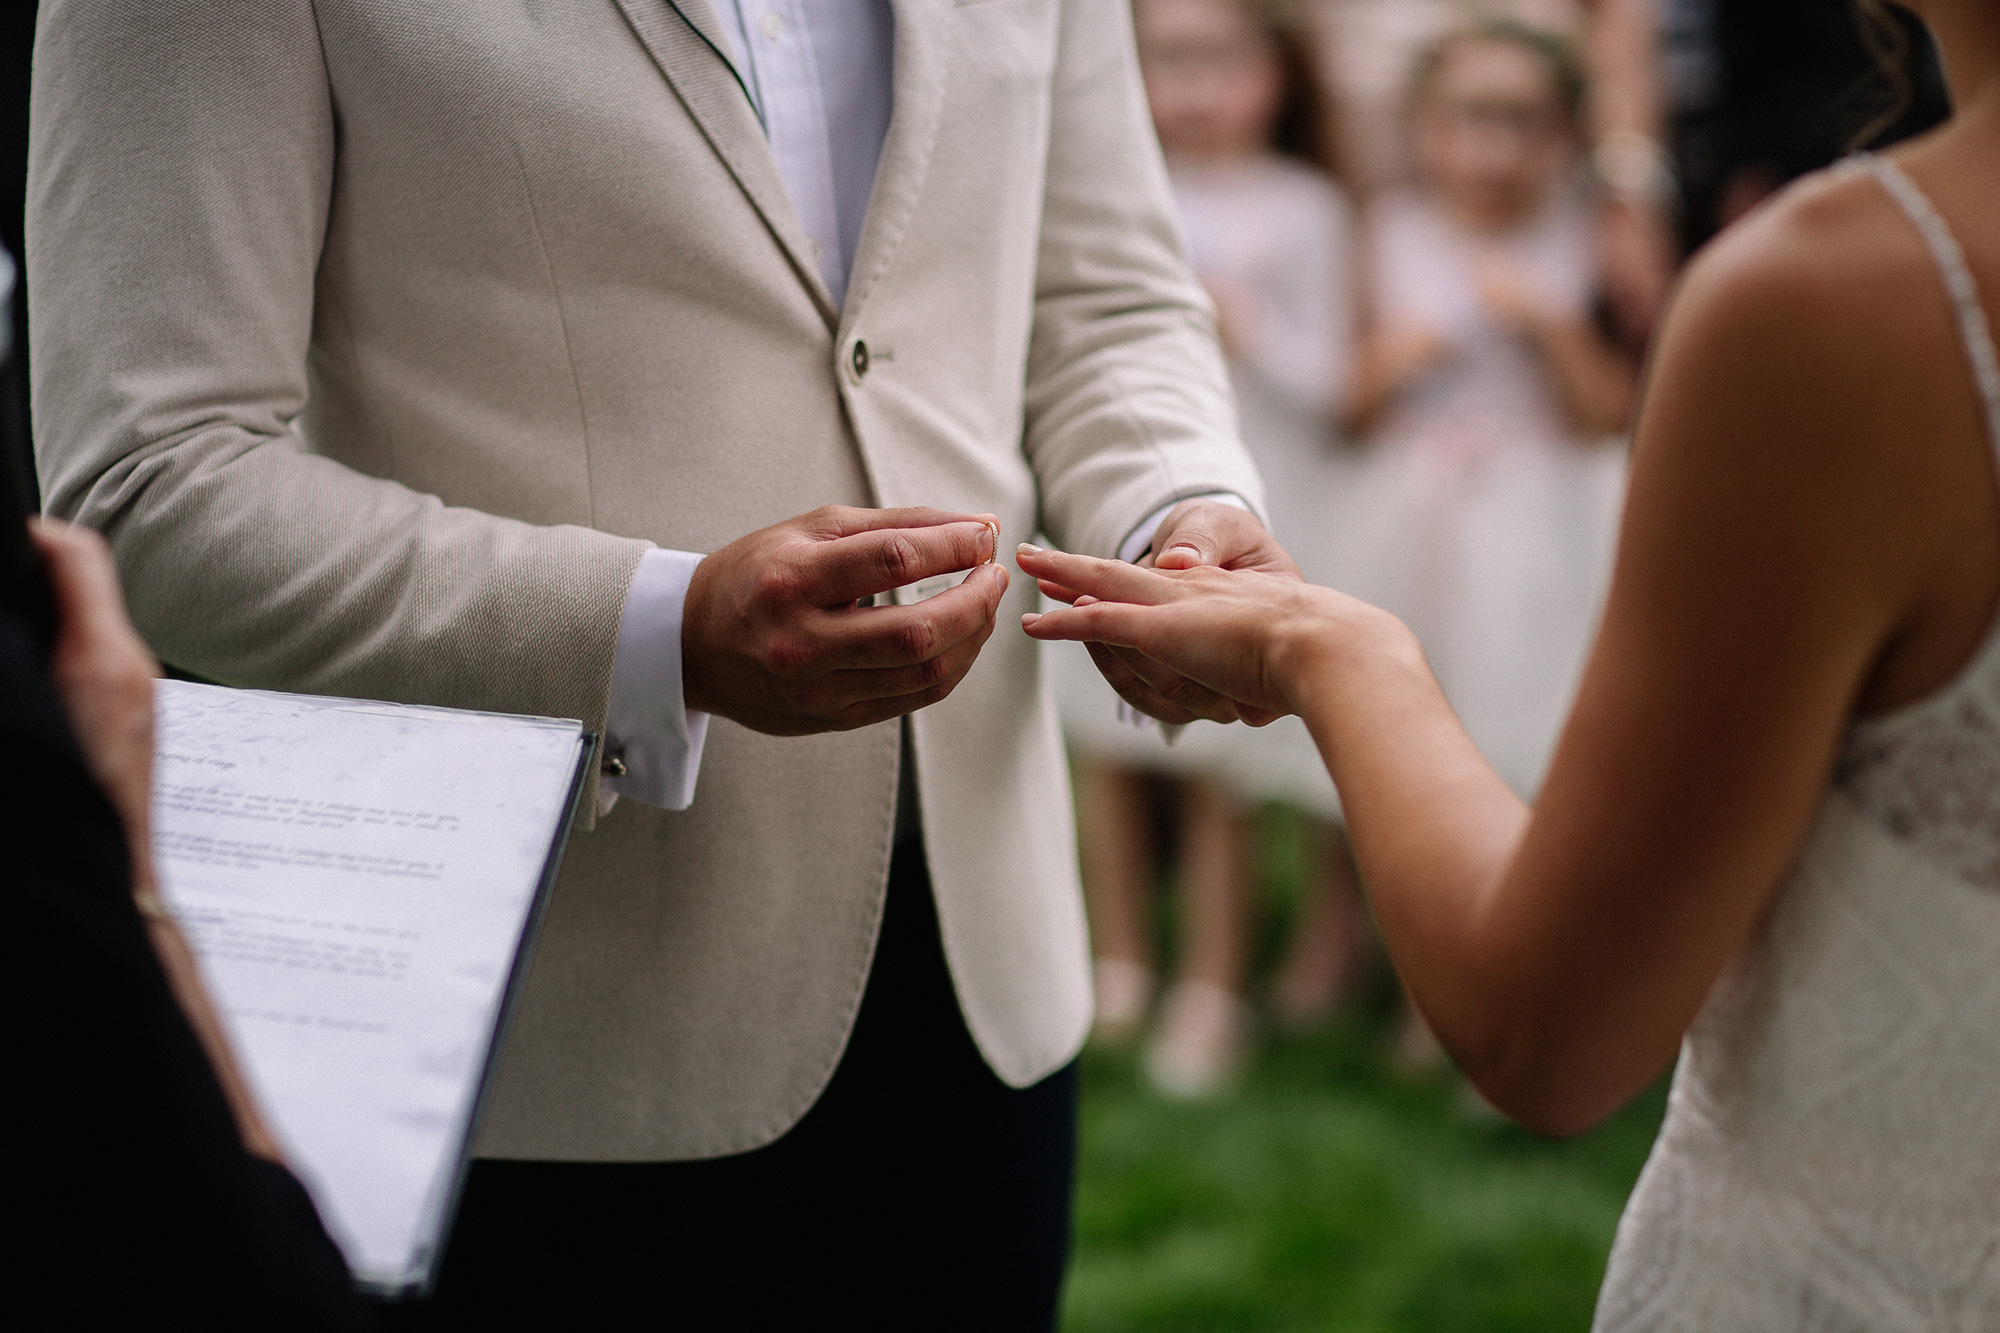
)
(1029, 548)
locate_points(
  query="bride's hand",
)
(1257, 638)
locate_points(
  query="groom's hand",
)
(772, 636)
(1194, 533)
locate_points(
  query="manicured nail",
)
(1029, 548)
(1029, 617)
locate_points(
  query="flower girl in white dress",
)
(1770, 837)
(1268, 230)
(1489, 509)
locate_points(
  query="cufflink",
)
(613, 766)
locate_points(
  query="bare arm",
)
(1596, 383)
(1385, 364)
(1627, 125)
(1791, 522)
(1623, 55)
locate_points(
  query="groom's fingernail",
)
(988, 534)
(1029, 548)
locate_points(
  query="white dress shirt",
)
(821, 76)
(820, 73)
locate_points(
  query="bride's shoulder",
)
(1825, 265)
(1808, 320)
(1811, 339)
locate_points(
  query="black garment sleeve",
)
(132, 1199)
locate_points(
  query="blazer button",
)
(858, 359)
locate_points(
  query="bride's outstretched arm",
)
(1790, 514)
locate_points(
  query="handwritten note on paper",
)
(356, 878)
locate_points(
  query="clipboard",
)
(422, 1278)
(364, 884)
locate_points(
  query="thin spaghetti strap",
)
(1972, 325)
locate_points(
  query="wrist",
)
(1545, 329)
(1312, 659)
(695, 694)
(1635, 170)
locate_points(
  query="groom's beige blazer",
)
(381, 337)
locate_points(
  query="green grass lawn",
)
(1332, 1192)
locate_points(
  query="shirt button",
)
(858, 359)
(774, 27)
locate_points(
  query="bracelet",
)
(1634, 168)
(151, 905)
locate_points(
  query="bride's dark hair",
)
(1307, 126)
(1887, 40)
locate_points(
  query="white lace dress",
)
(1830, 1159)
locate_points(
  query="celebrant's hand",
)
(103, 673)
(1196, 534)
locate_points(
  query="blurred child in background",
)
(1494, 397)
(1489, 396)
(1370, 44)
(1235, 101)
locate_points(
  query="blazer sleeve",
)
(182, 166)
(1128, 405)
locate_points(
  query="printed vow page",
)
(357, 879)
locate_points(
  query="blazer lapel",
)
(707, 87)
(922, 58)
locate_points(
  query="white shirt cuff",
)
(1142, 536)
(650, 726)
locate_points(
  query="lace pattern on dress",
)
(1930, 772)
(1830, 1160)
